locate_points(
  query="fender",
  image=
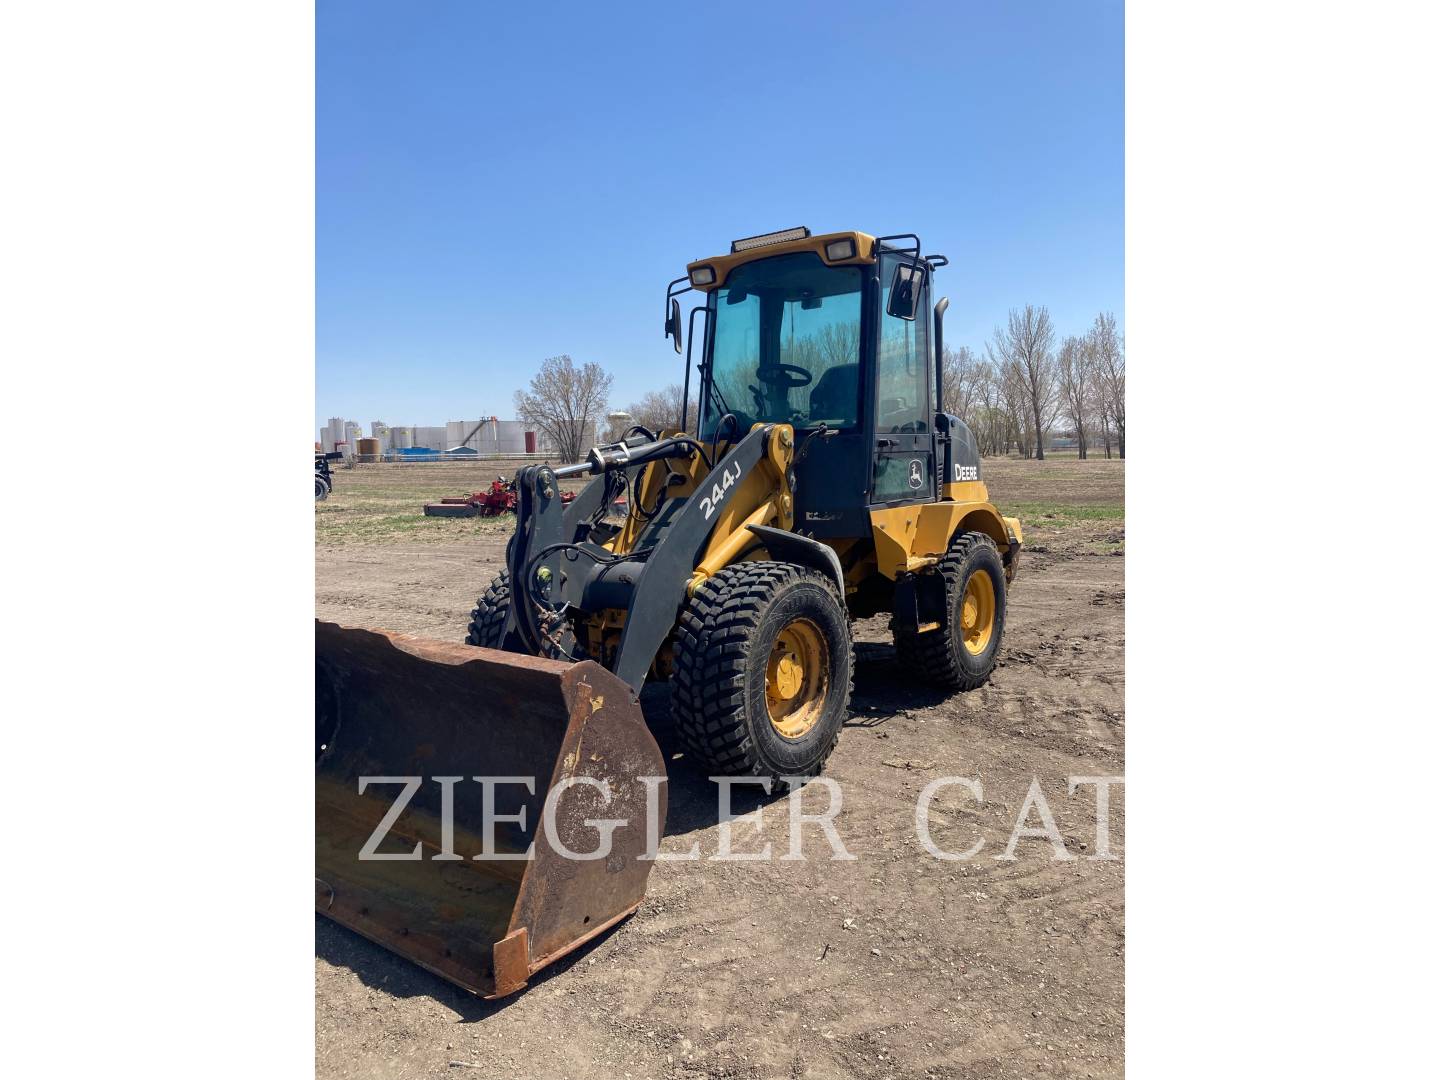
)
(792, 547)
(912, 538)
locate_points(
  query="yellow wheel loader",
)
(485, 808)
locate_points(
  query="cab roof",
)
(759, 247)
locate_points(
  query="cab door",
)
(904, 447)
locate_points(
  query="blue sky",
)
(496, 184)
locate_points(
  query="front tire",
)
(322, 489)
(487, 620)
(763, 666)
(961, 653)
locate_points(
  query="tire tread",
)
(932, 655)
(711, 649)
(487, 620)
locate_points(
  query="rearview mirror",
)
(905, 291)
(672, 323)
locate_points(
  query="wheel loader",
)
(484, 808)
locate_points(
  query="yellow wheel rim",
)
(977, 613)
(796, 676)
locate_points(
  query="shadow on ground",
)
(380, 969)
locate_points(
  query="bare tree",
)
(565, 403)
(975, 390)
(1025, 343)
(1099, 407)
(1004, 400)
(1102, 411)
(962, 377)
(1108, 351)
(1075, 368)
(660, 409)
(995, 433)
(840, 342)
(1017, 408)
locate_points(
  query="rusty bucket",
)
(482, 884)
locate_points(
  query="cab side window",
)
(902, 375)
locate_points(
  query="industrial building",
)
(339, 435)
(467, 438)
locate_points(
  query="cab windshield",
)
(786, 345)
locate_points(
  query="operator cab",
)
(835, 335)
(784, 345)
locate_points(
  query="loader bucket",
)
(408, 710)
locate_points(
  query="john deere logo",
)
(916, 474)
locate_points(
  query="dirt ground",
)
(895, 964)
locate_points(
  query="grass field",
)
(383, 503)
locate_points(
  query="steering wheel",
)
(786, 375)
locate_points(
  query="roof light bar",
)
(766, 239)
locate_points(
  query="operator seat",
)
(837, 394)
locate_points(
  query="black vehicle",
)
(324, 481)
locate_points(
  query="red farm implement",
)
(500, 499)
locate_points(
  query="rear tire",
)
(322, 489)
(487, 621)
(763, 666)
(961, 654)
